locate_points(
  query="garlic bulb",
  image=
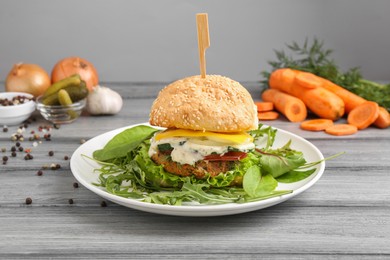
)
(104, 101)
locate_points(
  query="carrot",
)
(264, 106)
(351, 100)
(341, 129)
(383, 120)
(307, 80)
(316, 124)
(364, 115)
(291, 107)
(319, 100)
(268, 115)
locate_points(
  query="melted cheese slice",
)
(228, 138)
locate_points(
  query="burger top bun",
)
(214, 103)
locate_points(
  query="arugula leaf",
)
(261, 131)
(196, 190)
(124, 142)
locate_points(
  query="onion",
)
(75, 65)
(28, 78)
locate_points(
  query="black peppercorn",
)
(39, 173)
(75, 185)
(28, 201)
(70, 201)
(51, 153)
(28, 157)
(103, 204)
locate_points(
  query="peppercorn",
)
(66, 157)
(13, 149)
(5, 129)
(5, 158)
(28, 157)
(103, 204)
(17, 144)
(70, 201)
(20, 149)
(28, 201)
(39, 173)
(13, 154)
(75, 185)
(51, 153)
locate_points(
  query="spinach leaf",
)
(295, 175)
(256, 185)
(279, 161)
(124, 142)
(251, 180)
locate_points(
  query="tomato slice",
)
(229, 156)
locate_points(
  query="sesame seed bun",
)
(214, 103)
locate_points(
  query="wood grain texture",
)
(345, 215)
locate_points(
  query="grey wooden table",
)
(346, 214)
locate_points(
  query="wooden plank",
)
(106, 231)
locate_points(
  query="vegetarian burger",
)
(207, 122)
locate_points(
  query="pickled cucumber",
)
(72, 80)
(51, 100)
(65, 100)
(76, 93)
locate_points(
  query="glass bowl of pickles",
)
(63, 102)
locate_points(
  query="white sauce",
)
(191, 150)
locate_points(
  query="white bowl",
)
(16, 114)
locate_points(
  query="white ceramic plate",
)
(83, 170)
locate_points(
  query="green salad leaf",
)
(295, 175)
(280, 161)
(124, 142)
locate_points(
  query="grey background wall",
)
(145, 40)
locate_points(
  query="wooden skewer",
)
(203, 40)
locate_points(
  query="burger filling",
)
(199, 155)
